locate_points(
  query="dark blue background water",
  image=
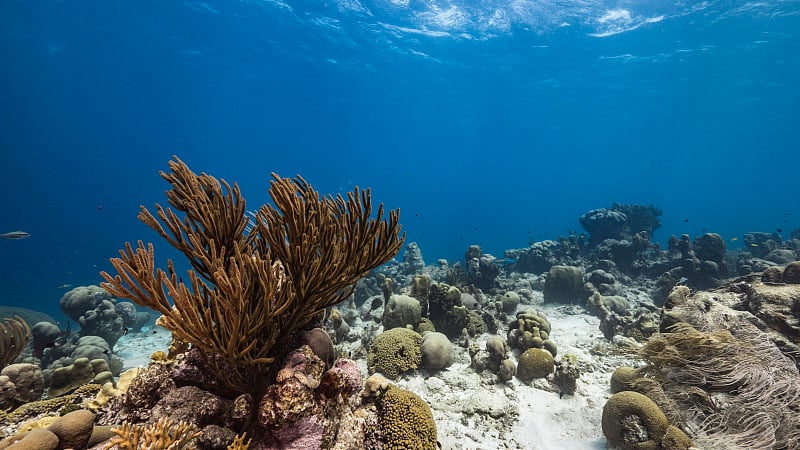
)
(492, 124)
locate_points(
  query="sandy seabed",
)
(472, 410)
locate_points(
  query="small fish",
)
(685, 220)
(504, 261)
(15, 235)
(753, 245)
(63, 286)
(124, 331)
(734, 239)
(778, 230)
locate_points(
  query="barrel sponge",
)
(631, 421)
(406, 421)
(535, 363)
(394, 352)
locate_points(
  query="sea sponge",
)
(510, 300)
(507, 370)
(567, 374)
(406, 421)
(394, 352)
(534, 363)
(633, 421)
(437, 351)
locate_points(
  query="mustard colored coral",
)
(165, 434)
(395, 352)
(406, 421)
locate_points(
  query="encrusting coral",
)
(14, 336)
(258, 278)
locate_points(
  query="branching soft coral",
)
(251, 290)
(736, 391)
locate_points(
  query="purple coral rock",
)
(344, 377)
(285, 401)
(304, 434)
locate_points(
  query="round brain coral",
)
(406, 421)
(633, 421)
(535, 363)
(395, 352)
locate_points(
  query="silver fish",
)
(15, 235)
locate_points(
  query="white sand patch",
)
(135, 348)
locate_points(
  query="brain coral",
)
(406, 421)
(534, 363)
(633, 421)
(394, 352)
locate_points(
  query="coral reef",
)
(401, 310)
(162, 435)
(531, 330)
(567, 374)
(258, 282)
(19, 384)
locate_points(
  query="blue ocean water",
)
(491, 123)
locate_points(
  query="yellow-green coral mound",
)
(395, 352)
(406, 421)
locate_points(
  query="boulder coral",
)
(564, 284)
(437, 351)
(401, 310)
